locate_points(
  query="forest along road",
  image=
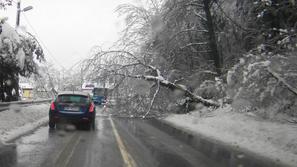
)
(116, 142)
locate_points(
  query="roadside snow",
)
(274, 140)
(18, 121)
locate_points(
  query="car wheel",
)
(88, 126)
(93, 124)
(52, 125)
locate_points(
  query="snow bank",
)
(18, 121)
(270, 139)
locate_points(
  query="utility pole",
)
(18, 13)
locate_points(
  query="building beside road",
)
(26, 91)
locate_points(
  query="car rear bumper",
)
(75, 119)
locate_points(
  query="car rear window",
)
(72, 99)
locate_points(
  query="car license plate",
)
(71, 108)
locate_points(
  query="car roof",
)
(74, 93)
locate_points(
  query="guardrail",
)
(6, 105)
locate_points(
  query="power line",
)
(76, 64)
(83, 59)
(48, 50)
(39, 39)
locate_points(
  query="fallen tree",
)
(124, 64)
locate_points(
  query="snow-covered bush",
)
(211, 89)
(19, 55)
(271, 22)
(19, 51)
(264, 82)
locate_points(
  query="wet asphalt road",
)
(116, 142)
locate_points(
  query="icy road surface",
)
(116, 142)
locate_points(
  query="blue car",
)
(100, 95)
(73, 107)
(98, 99)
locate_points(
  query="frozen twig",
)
(153, 100)
(192, 44)
(185, 31)
(282, 80)
(199, 15)
(293, 121)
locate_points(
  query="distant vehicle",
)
(100, 95)
(73, 107)
(88, 87)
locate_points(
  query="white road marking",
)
(72, 151)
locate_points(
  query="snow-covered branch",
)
(196, 4)
(193, 44)
(173, 86)
(153, 100)
(185, 31)
(282, 80)
(199, 15)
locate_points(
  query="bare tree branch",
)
(192, 44)
(282, 80)
(153, 100)
(199, 15)
(185, 31)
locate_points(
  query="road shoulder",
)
(245, 132)
(18, 121)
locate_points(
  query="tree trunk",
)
(191, 61)
(16, 88)
(2, 98)
(212, 37)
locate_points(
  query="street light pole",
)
(16, 26)
(18, 16)
(18, 13)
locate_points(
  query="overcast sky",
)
(69, 28)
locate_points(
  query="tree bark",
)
(2, 98)
(191, 60)
(212, 37)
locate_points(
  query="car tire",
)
(93, 125)
(88, 126)
(52, 125)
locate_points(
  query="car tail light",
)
(53, 107)
(92, 107)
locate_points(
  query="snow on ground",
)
(244, 130)
(20, 120)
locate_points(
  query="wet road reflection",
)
(144, 144)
